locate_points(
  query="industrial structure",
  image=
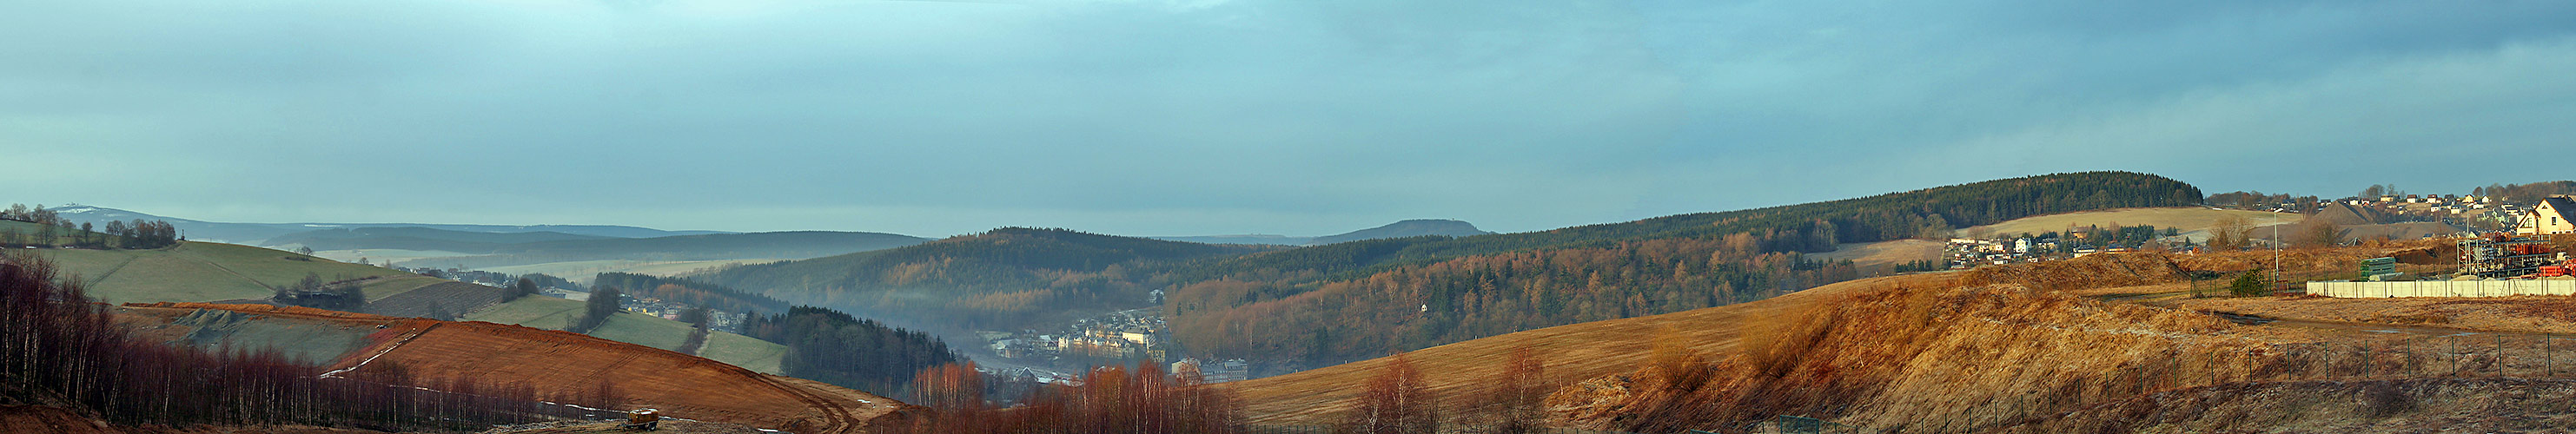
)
(2496, 256)
(2495, 265)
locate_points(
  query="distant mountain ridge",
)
(1264, 239)
(259, 233)
(1405, 229)
(791, 244)
(1400, 229)
(416, 238)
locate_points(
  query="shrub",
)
(2249, 284)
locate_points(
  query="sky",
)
(1200, 117)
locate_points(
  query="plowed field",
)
(565, 363)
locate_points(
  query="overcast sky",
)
(1185, 117)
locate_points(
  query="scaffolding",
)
(2496, 256)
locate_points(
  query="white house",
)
(2551, 216)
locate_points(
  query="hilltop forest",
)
(1345, 301)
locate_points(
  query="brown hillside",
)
(2348, 215)
(1572, 353)
(559, 363)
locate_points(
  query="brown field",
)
(559, 363)
(1573, 353)
(2185, 218)
(1883, 253)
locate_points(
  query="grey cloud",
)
(1151, 117)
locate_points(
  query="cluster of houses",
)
(2549, 215)
(1965, 253)
(730, 322)
(1117, 335)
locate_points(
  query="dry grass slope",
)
(2185, 218)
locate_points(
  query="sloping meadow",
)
(1998, 348)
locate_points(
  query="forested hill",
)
(1346, 301)
(1407, 228)
(1819, 225)
(1328, 303)
(1000, 275)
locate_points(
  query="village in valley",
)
(1138, 334)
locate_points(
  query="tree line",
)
(68, 349)
(1141, 399)
(605, 302)
(1008, 278)
(691, 292)
(52, 229)
(1467, 298)
(2526, 193)
(833, 347)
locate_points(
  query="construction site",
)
(2490, 265)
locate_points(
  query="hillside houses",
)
(1116, 335)
(2554, 215)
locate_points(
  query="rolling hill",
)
(415, 238)
(555, 363)
(1003, 276)
(1901, 353)
(710, 247)
(216, 272)
(1347, 301)
(257, 233)
(2188, 219)
(1351, 300)
(1401, 229)
(200, 271)
(1275, 240)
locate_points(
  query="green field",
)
(533, 311)
(646, 330)
(554, 313)
(583, 271)
(195, 271)
(739, 350)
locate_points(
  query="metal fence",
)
(2443, 288)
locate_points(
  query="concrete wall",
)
(2443, 288)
